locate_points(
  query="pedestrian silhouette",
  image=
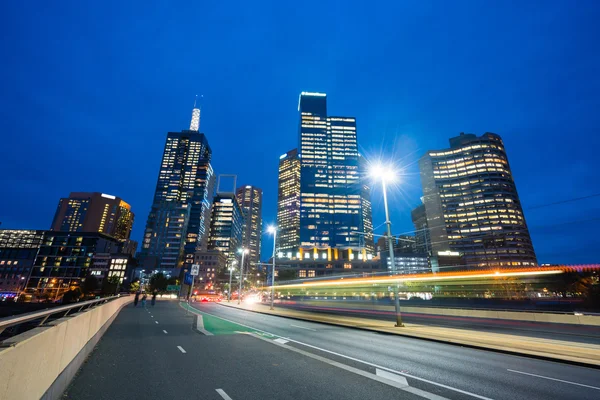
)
(153, 298)
(136, 299)
(144, 300)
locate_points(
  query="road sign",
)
(195, 269)
(173, 288)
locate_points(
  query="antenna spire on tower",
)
(195, 123)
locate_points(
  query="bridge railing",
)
(44, 315)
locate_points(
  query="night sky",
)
(90, 89)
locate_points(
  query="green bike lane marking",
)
(220, 326)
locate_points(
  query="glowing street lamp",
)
(243, 251)
(273, 230)
(387, 175)
(230, 275)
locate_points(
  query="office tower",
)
(288, 204)
(250, 200)
(177, 225)
(94, 212)
(334, 202)
(422, 239)
(226, 222)
(18, 249)
(65, 259)
(472, 205)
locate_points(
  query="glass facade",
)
(94, 212)
(250, 200)
(472, 206)
(334, 199)
(288, 203)
(178, 222)
(226, 226)
(18, 249)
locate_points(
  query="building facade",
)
(211, 264)
(472, 206)
(226, 223)
(250, 200)
(65, 259)
(422, 238)
(288, 204)
(179, 218)
(334, 199)
(18, 250)
(94, 212)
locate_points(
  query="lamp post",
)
(244, 252)
(386, 175)
(230, 275)
(273, 230)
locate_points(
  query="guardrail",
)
(425, 305)
(13, 321)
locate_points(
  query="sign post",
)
(194, 272)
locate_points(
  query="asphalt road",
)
(447, 370)
(579, 333)
(157, 353)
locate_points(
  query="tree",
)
(158, 282)
(286, 275)
(72, 296)
(134, 286)
(90, 284)
(110, 285)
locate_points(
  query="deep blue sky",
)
(89, 90)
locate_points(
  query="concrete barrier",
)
(41, 362)
(554, 318)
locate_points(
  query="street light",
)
(230, 274)
(244, 252)
(387, 176)
(273, 229)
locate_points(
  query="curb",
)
(436, 340)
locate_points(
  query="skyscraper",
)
(226, 224)
(334, 205)
(288, 204)
(177, 225)
(250, 200)
(94, 212)
(472, 205)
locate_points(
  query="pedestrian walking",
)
(144, 300)
(136, 299)
(153, 298)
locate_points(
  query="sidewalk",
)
(576, 353)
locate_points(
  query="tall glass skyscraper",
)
(471, 205)
(250, 200)
(226, 226)
(334, 205)
(288, 204)
(177, 225)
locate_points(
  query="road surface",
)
(162, 353)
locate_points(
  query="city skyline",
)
(402, 109)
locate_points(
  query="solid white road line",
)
(200, 326)
(388, 375)
(181, 349)
(223, 394)
(554, 379)
(280, 340)
(385, 380)
(303, 327)
(356, 359)
(165, 332)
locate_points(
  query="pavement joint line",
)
(356, 359)
(181, 349)
(165, 332)
(554, 379)
(385, 380)
(223, 394)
